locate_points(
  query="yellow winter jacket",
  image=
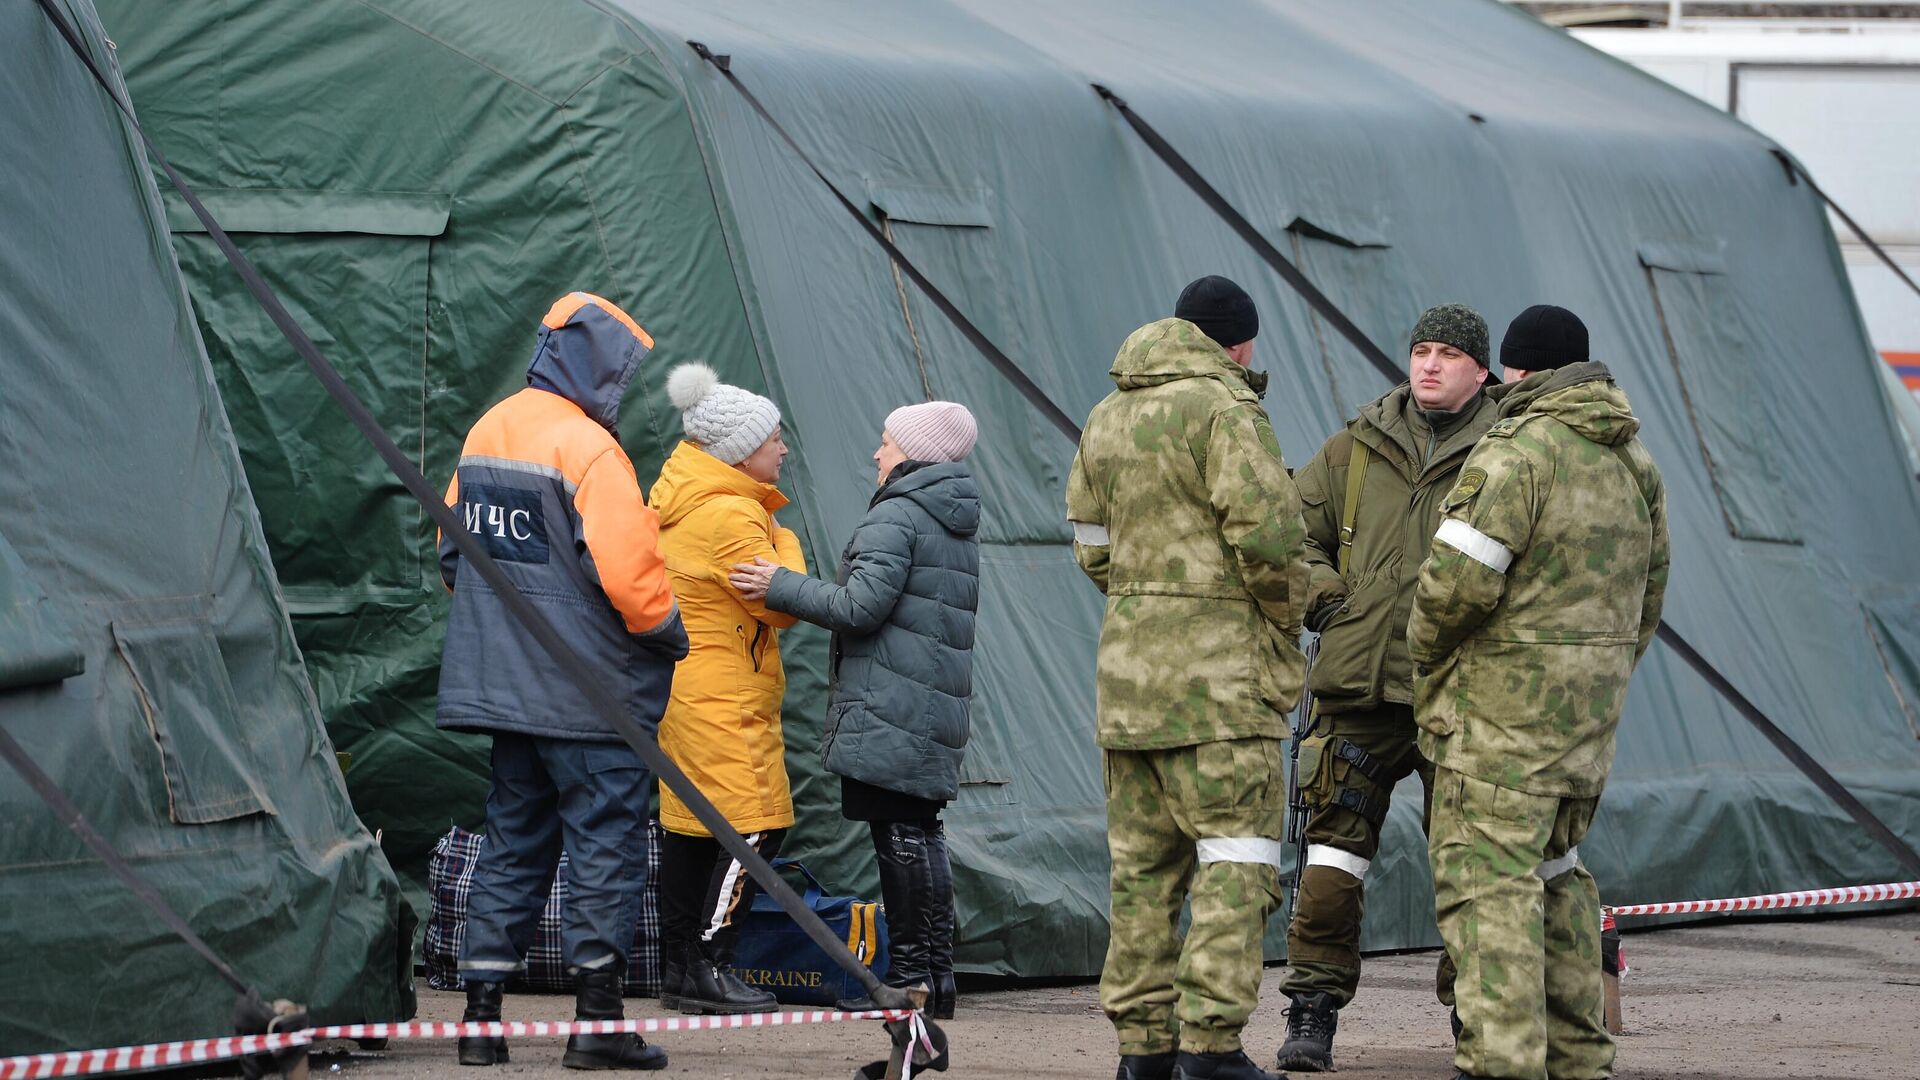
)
(723, 723)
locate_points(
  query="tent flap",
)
(35, 647)
(244, 210)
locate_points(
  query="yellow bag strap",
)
(1356, 476)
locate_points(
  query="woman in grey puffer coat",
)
(901, 612)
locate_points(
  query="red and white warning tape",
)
(1855, 894)
(193, 1051)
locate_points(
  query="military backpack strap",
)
(1356, 476)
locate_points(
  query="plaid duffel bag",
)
(450, 879)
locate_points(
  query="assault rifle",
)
(1296, 798)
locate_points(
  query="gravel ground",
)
(1768, 999)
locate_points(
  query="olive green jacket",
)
(1542, 589)
(1363, 659)
(1185, 517)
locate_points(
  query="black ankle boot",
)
(1146, 1066)
(597, 997)
(714, 989)
(673, 975)
(1311, 1021)
(483, 1006)
(1233, 1065)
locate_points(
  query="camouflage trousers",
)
(1203, 823)
(1349, 796)
(1521, 919)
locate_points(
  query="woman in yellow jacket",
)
(716, 499)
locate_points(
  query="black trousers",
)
(916, 885)
(703, 891)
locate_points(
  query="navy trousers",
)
(549, 795)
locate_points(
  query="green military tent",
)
(147, 664)
(422, 177)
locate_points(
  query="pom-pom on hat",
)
(933, 431)
(727, 422)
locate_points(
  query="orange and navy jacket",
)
(544, 486)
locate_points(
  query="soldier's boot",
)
(483, 1006)
(1233, 1065)
(714, 988)
(1146, 1066)
(597, 997)
(1311, 1021)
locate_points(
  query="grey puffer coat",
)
(901, 612)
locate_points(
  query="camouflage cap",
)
(1453, 324)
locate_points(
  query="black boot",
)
(714, 989)
(483, 1006)
(1234, 1065)
(940, 920)
(1311, 1021)
(673, 974)
(597, 997)
(1146, 1066)
(940, 1003)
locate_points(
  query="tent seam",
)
(734, 263)
(468, 57)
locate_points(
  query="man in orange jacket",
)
(544, 486)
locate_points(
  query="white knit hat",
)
(933, 431)
(727, 422)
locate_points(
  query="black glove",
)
(1321, 617)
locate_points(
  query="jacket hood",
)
(692, 477)
(587, 352)
(1582, 396)
(946, 491)
(1171, 349)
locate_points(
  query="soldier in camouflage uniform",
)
(1542, 590)
(1372, 501)
(1184, 516)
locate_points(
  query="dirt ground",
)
(1835, 997)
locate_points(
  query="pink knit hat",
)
(933, 431)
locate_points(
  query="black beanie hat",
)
(1222, 310)
(1544, 337)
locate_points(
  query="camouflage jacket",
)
(1363, 644)
(1542, 589)
(1185, 517)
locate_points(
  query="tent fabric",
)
(150, 667)
(582, 144)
